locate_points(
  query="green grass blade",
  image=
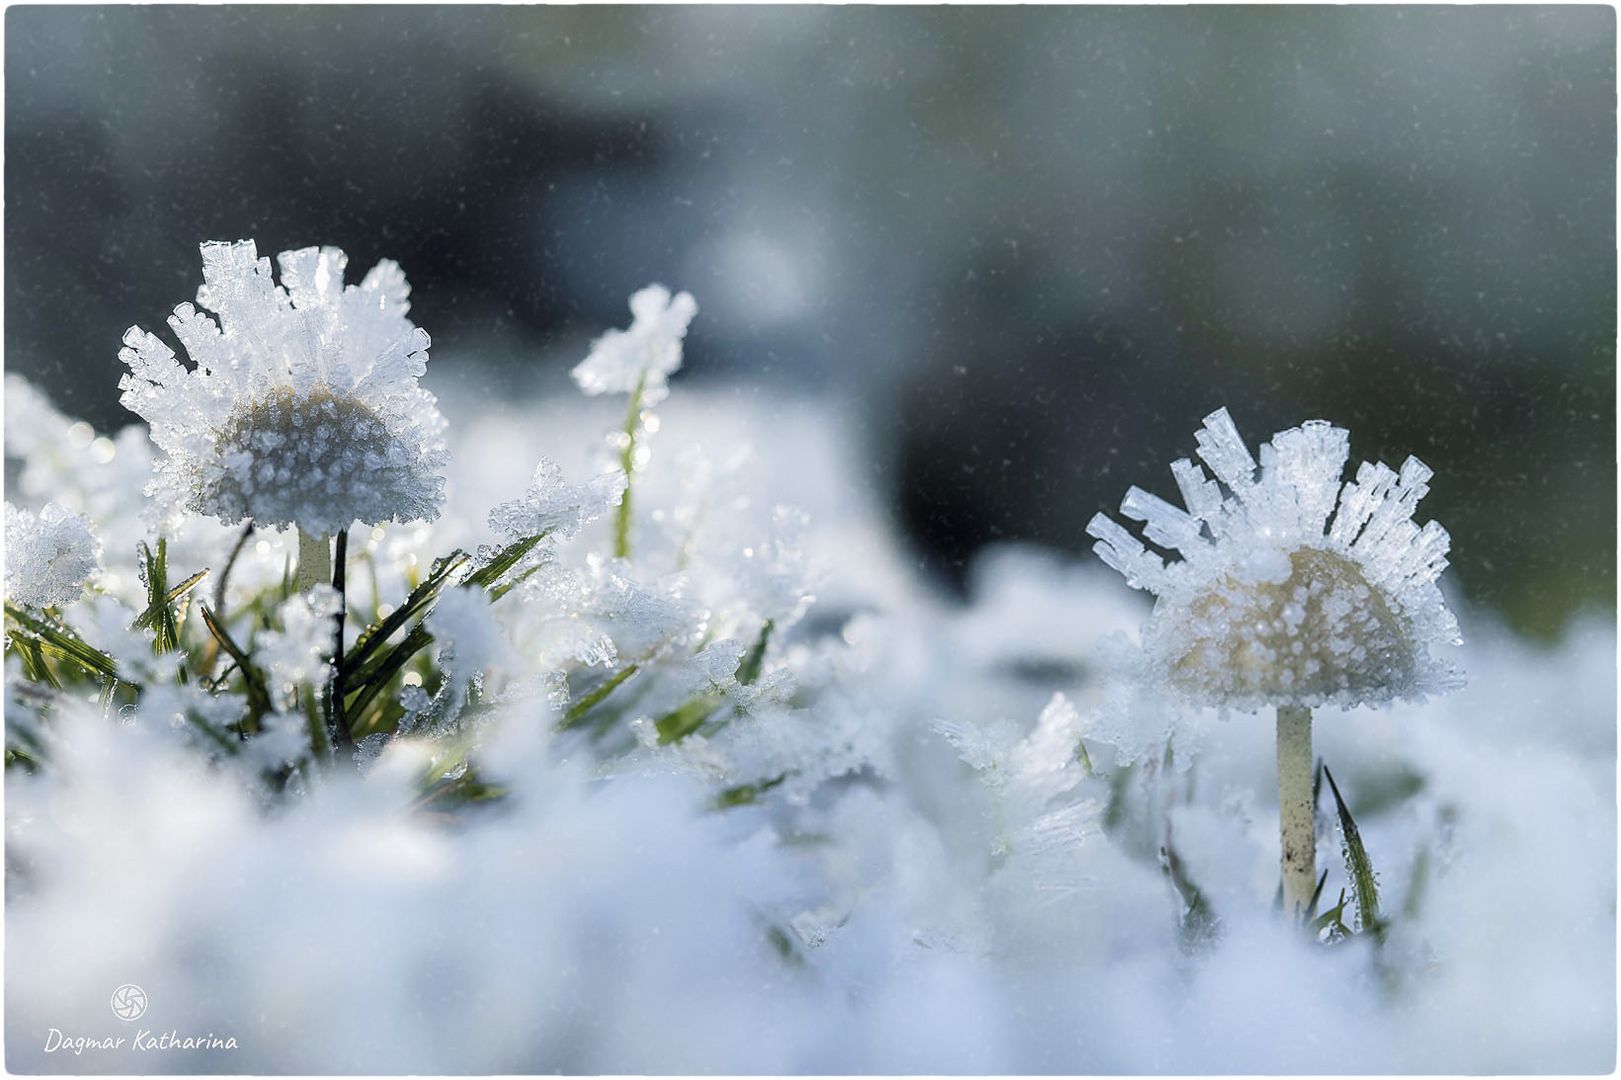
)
(55, 638)
(577, 711)
(252, 679)
(151, 615)
(746, 794)
(417, 603)
(1364, 883)
(749, 669)
(682, 721)
(1197, 921)
(369, 683)
(503, 560)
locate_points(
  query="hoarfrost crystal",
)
(1272, 603)
(49, 555)
(556, 508)
(303, 407)
(1041, 827)
(647, 354)
(297, 654)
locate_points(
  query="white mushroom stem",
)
(314, 561)
(1296, 814)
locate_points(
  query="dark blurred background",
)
(1027, 247)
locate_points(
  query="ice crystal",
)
(780, 579)
(471, 643)
(1274, 603)
(1041, 829)
(303, 407)
(49, 555)
(556, 508)
(555, 622)
(298, 653)
(187, 708)
(643, 620)
(1030, 770)
(795, 751)
(645, 355)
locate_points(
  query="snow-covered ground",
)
(939, 885)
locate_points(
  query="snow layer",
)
(991, 901)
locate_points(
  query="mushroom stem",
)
(1296, 814)
(314, 561)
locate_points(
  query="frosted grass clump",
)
(1272, 603)
(640, 360)
(49, 555)
(303, 407)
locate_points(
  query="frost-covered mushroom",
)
(303, 406)
(1273, 603)
(49, 555)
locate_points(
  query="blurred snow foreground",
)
(659, 759)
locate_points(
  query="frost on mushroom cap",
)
(303, 407)
(49, 555)
(1274, 603)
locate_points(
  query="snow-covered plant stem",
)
(627, 462)
(337, 720)
(314, 561)
(1296, 814)
(638, 362)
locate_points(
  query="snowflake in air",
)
(1274, 603)
(49, 555)
(644, 356)
(303, 407)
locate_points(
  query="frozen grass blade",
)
(152, 614)
(1359, 867)
(746, 794)
(254, 682)
(1333, 920)
(417, 603)
(683, 720)
(159, 615)
(1311, 909)
(369, 683)
(486, 576)
(51, 636)
(748, 670)
(337, 721)
(577, 711)
(1196, 920)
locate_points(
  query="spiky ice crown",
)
(1273, 604)
(303, 407)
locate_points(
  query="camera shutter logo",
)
(129, 1002)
